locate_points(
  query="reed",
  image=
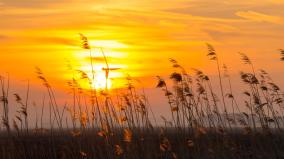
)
(121, 125)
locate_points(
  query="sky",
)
(138, 37)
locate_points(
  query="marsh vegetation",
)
(203, 122)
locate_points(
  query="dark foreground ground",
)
(143, 145)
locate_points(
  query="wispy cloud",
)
(260, 17)
(3, 37)
(28, 3)
(152, 30)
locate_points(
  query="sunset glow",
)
(137, 36)
(141, 79)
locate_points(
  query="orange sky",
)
(138, 36)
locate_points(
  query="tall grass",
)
(120, 123)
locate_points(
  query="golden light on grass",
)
(93, 95)
(97, 63)
(100, 81)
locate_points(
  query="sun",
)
(96, 79)
(100, 82)
(101, 62)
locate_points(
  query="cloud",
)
(29, 3)
(152, 29)
(56, 40)
(260, 17)
(3, 37)
(33, 4)
(277, 1)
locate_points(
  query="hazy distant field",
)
(144, 145)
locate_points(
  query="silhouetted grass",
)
(122, 126)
